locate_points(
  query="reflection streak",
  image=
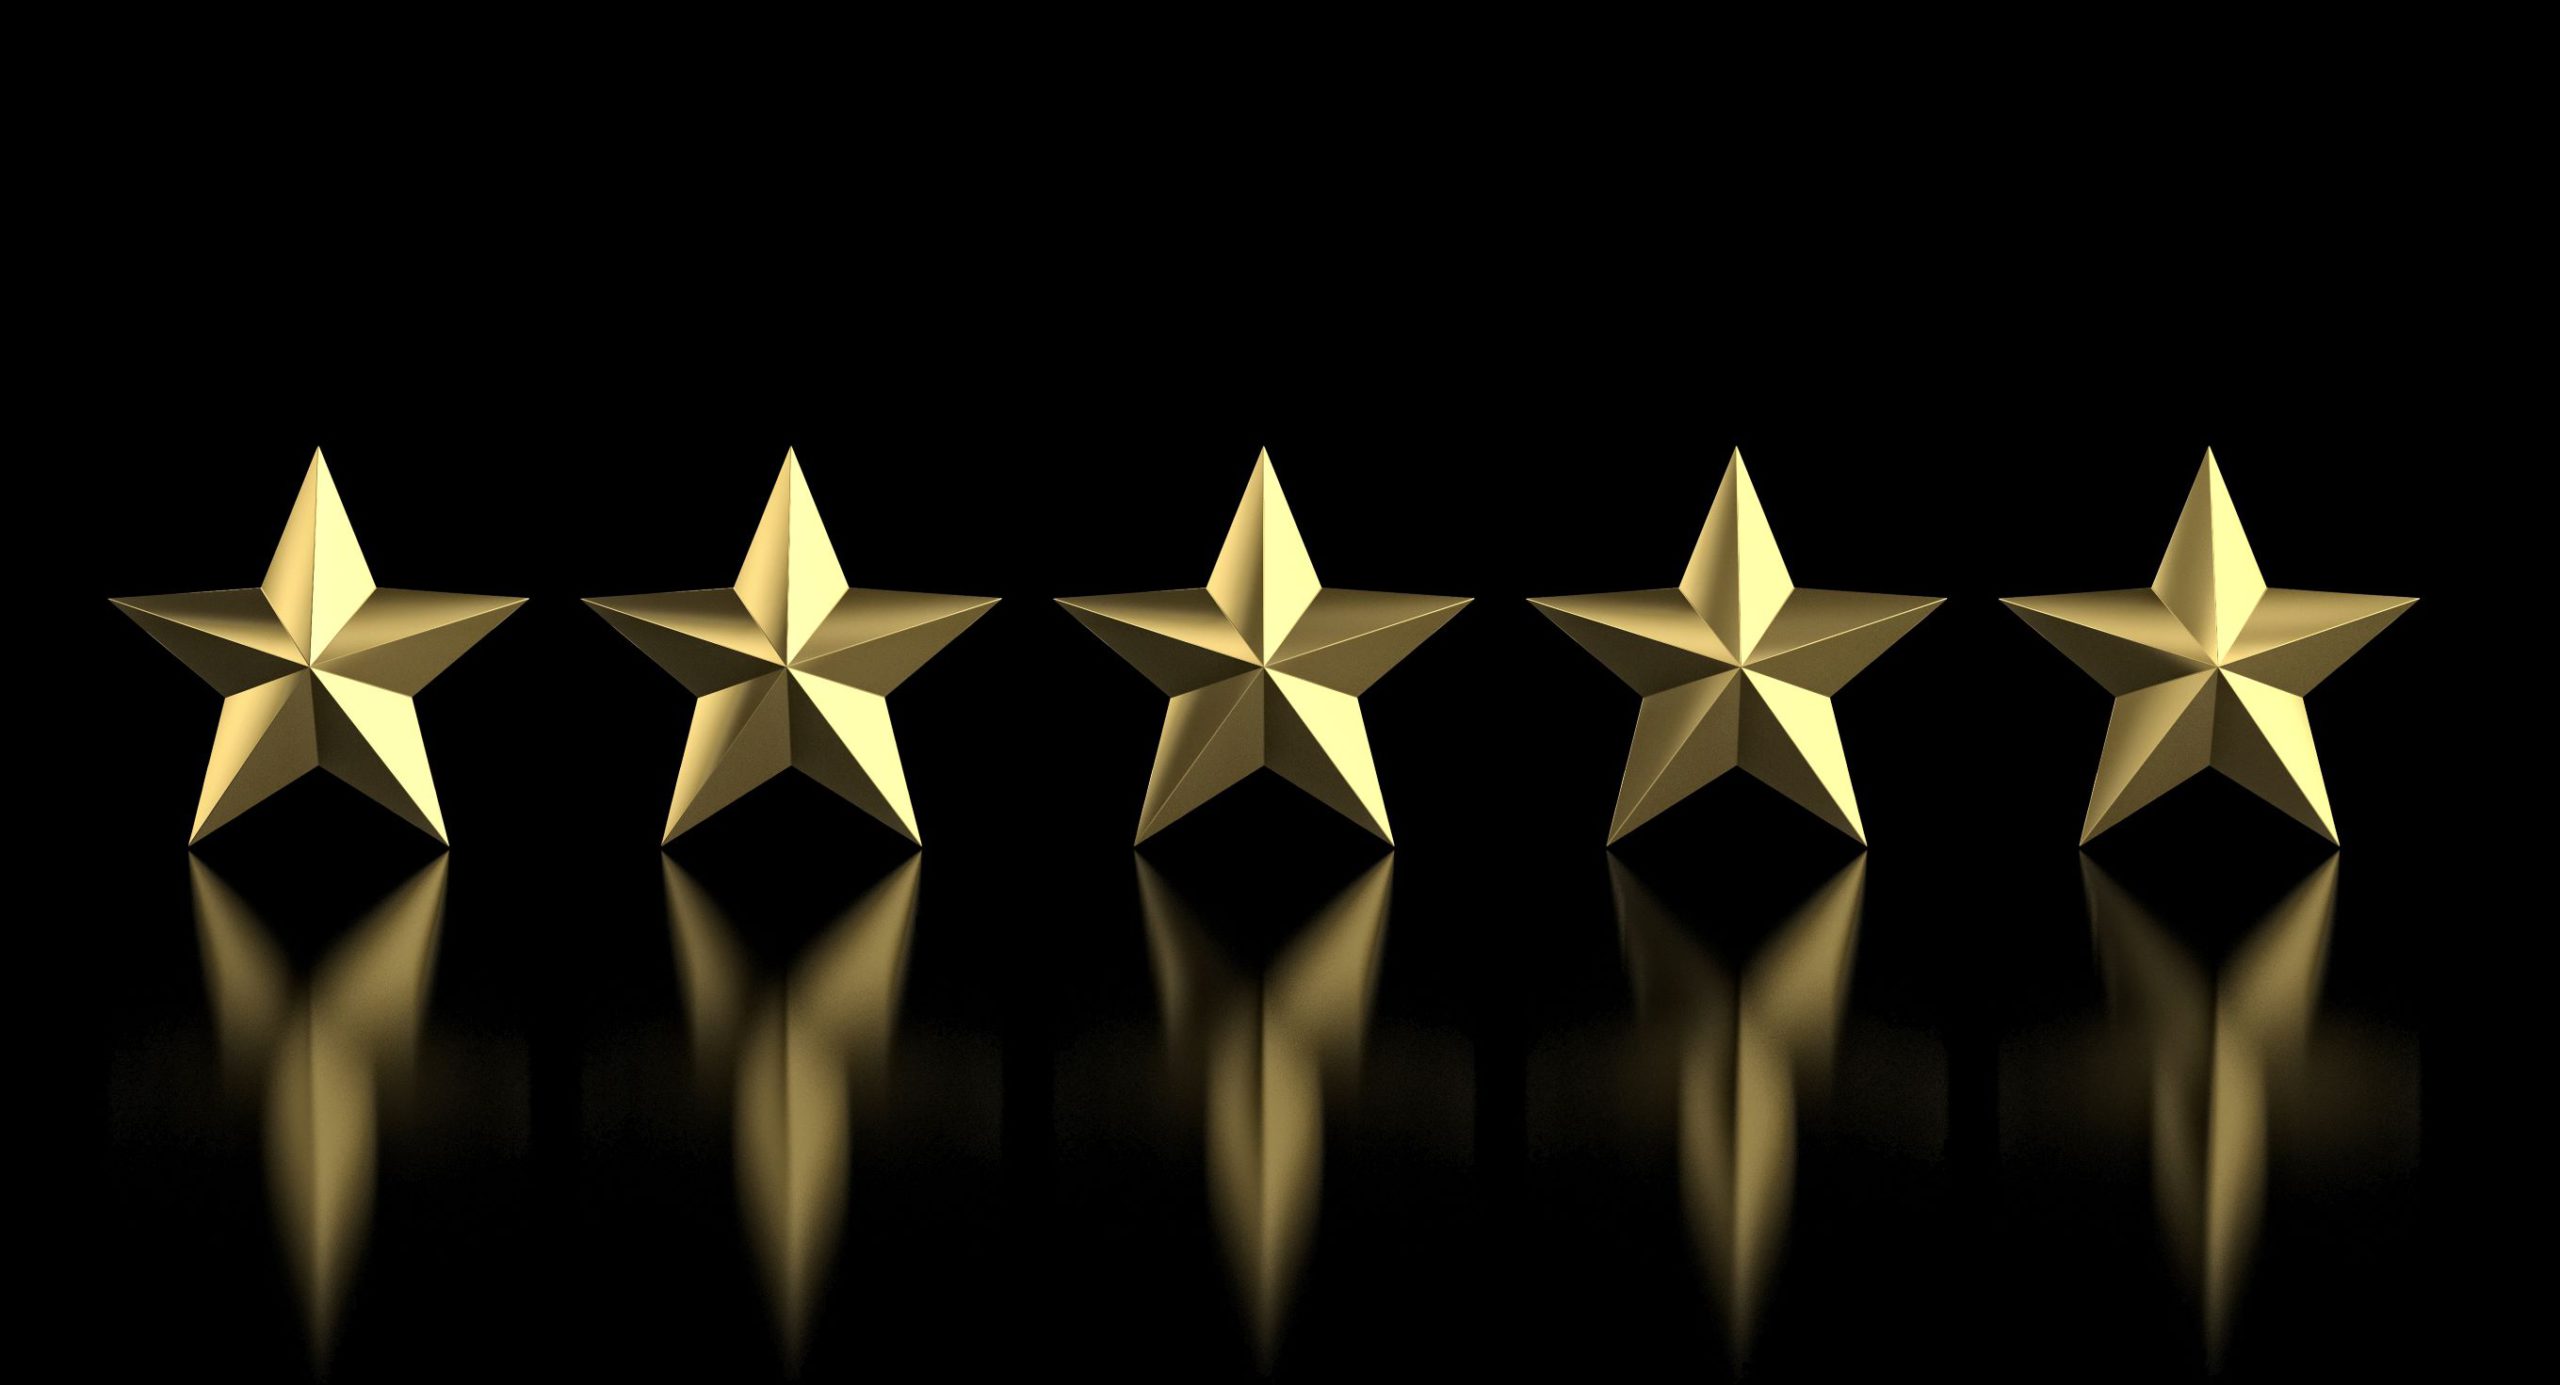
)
(1269, 1053)
(1748, 1050)
(801, 1057)
(2219, 1046)
(320, 1058)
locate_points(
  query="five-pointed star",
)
(317, 667)
(2209, 666)
(1264, 666)
(1737, 665)
(792, 667)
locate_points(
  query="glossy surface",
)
(1087, 1125)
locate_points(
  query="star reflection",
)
(2221, 1045)
(1270, 1053)
(320, 1058)
(1750, 1045)
(803, 1057)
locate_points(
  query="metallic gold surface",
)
(1737, 666)
(317, 667)
(321, 1059)
(1751, 1048)
(804, 1058)
(792, 667)
(2218, 1044)
(2209, 667)
(1264, 666)
(1271, 1054)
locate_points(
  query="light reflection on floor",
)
(2220, 1045)
(1750, 1040)
(1269, 1053)
(321, 1055)
(803, 1058)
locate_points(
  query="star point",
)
(1264, 667)
(317, 667)
(1737, 666)
(791, 667)
(2209, 667)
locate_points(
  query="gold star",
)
(317, 667)
(2209, 667)
(792, 668)
(1737, 666)
(1264, 666)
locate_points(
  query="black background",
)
(562, 1200)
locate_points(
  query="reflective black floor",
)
(835, 1117)
(1734, 1098)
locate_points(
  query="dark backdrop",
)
(1975, 1197)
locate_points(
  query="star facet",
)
(2209, 666)
(317, 667)
(1264, 666)
(1737, 666)
(792, 668)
